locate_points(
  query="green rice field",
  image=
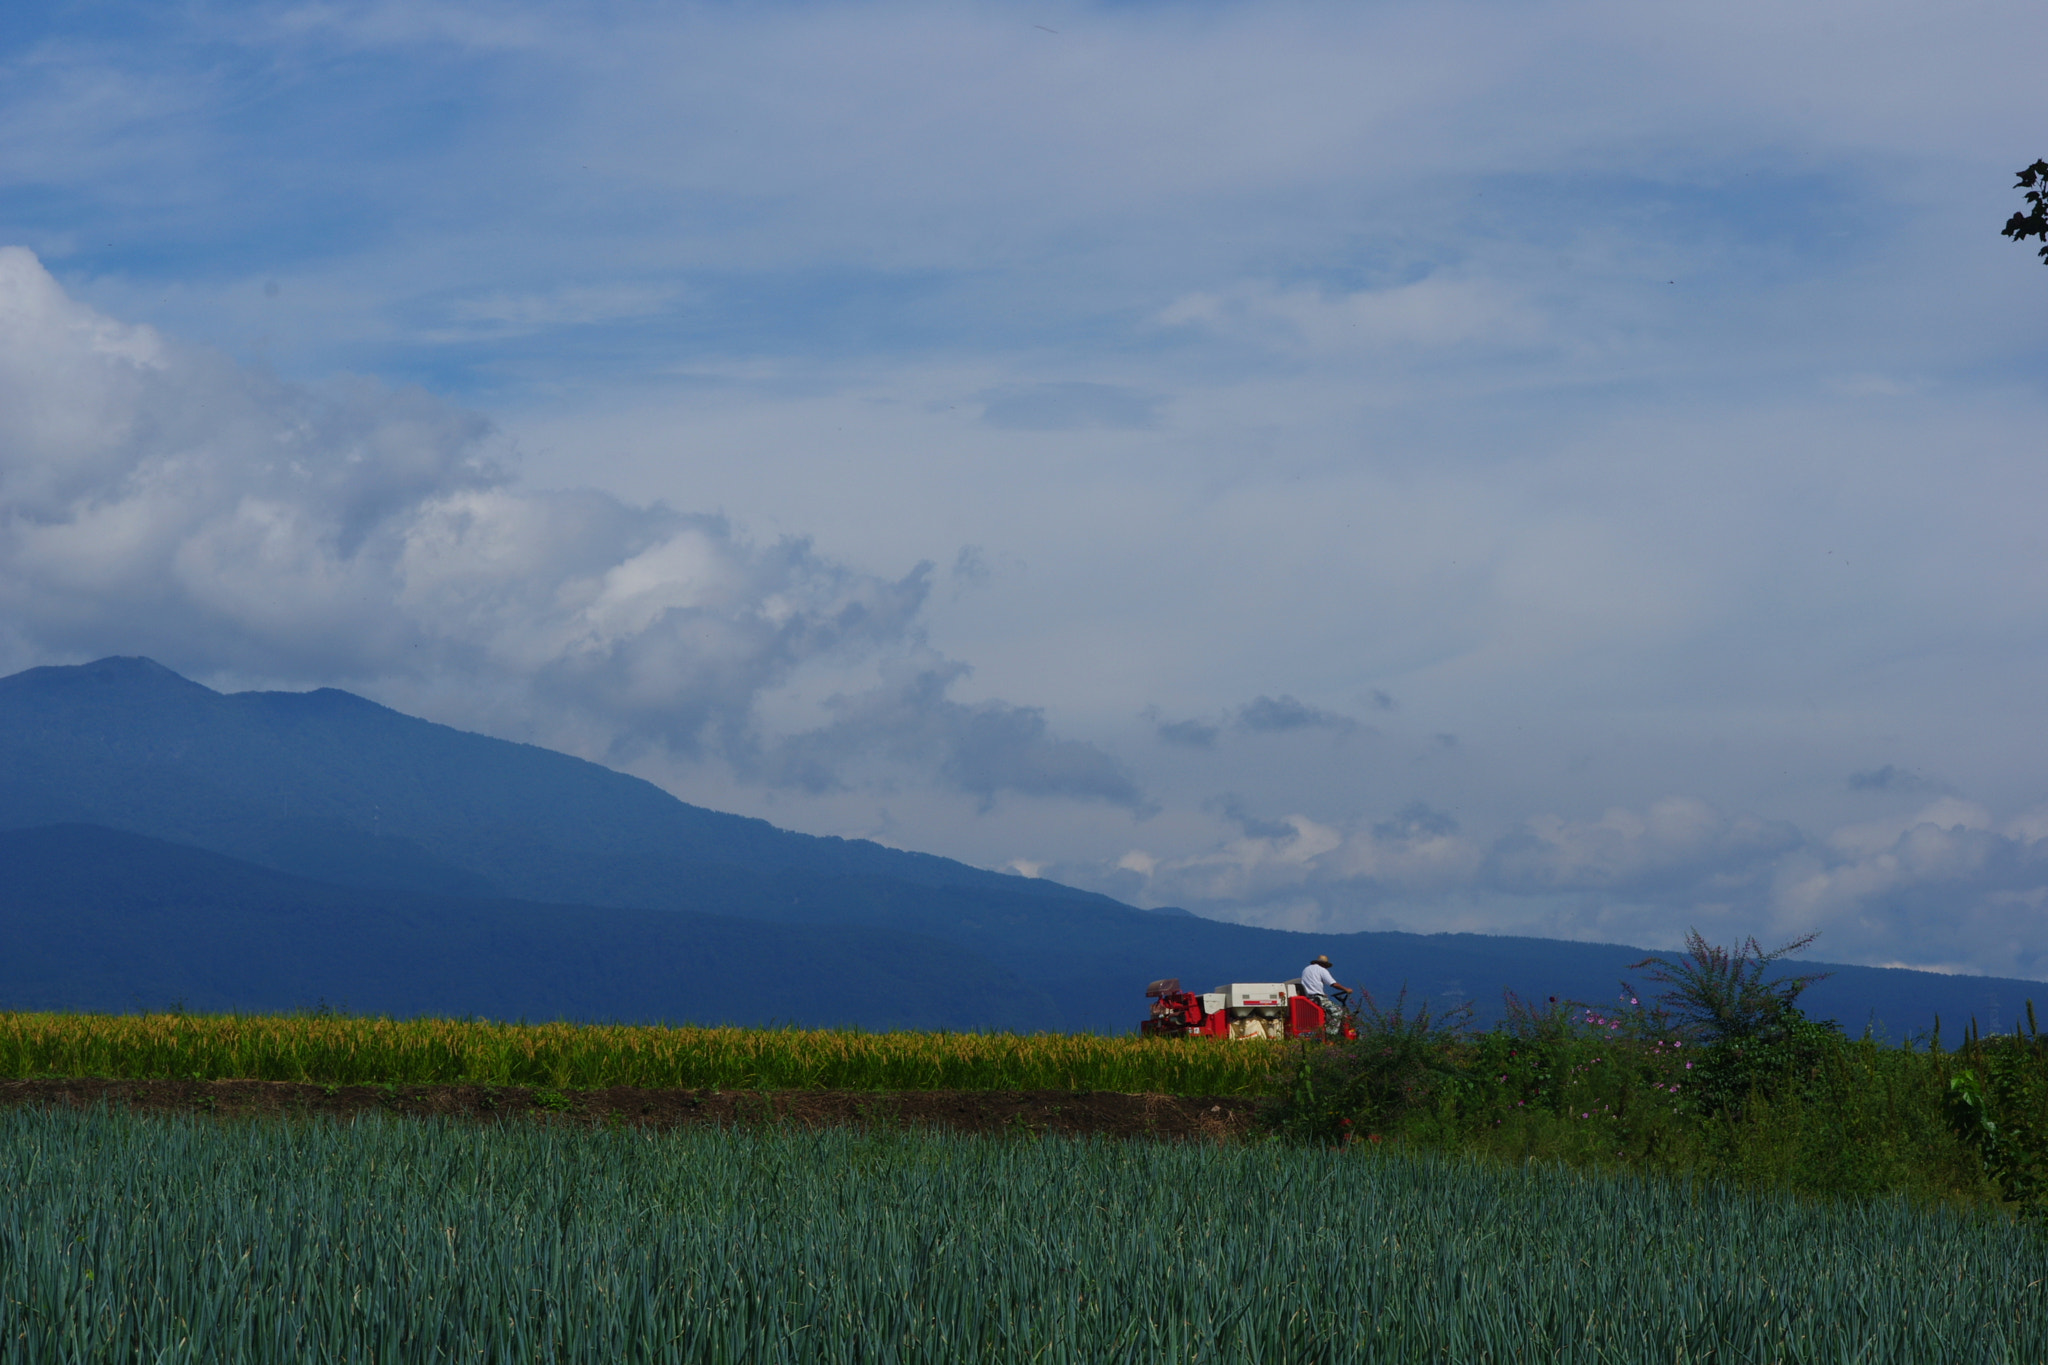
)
(345, 1050)
(129, 1237)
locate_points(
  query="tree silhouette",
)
(2034, 222)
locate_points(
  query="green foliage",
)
(330, 1048)
(2033, 222)
(1805, 1110)
(1788, 1056)
(1998, 1104)
(134, 1238)
(1394, 1065)
(1715, 994)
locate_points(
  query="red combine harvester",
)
(1241, 1010)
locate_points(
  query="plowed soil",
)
(1020, 1112)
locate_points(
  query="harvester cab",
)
(1241, 1010)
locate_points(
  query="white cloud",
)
(980, 748)
(1429, 314)
(499, 313)
(1885, 892)
(155, 498)
(1637, 851)
(1296, 860)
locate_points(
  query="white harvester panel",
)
(1212, 1003)
(1243, 994)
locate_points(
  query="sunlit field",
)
(343, 1050)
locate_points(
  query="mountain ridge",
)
(108, 920)
(350, 733)
(337, 790)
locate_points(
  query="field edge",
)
(1035, 1113)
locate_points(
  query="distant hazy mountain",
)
(386, 863)
(332, 786)
(100, 919)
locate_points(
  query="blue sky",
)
(1568, 468)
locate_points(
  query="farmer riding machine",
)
(1242, 1010)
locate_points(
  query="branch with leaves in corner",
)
(2034, 222)
(1721, 994)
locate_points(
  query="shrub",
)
(1997, 1103)
(1397, 1063)
(1715, 994)
(1723, 1077)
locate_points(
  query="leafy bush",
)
(1789, 1057)
(1997, 1097)
(1396, 1063)
(1722, 1075)
(1717, 995)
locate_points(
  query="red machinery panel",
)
(1305, 1017)
(1175, 1013)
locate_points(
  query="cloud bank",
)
(157, 498)
(1878, 891)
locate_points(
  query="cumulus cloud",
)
(1262, 715)
(1276, 715)
(981, 748)
(1879, 892)
(1294, 871)
(1069, 406)
(1946, 875)
(1890, 778)
(1678, 841)
(156, 498)
(1238, 811)
(1185, 734)
(971, 566)
(1434, 313)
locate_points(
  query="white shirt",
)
(1316, 979)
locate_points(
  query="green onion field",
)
(132, 1238)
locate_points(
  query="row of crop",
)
(126, 1237)
(341, 1049)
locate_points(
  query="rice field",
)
(344, 1050)
(125, 1237)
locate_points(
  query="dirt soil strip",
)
(1067, 1112)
